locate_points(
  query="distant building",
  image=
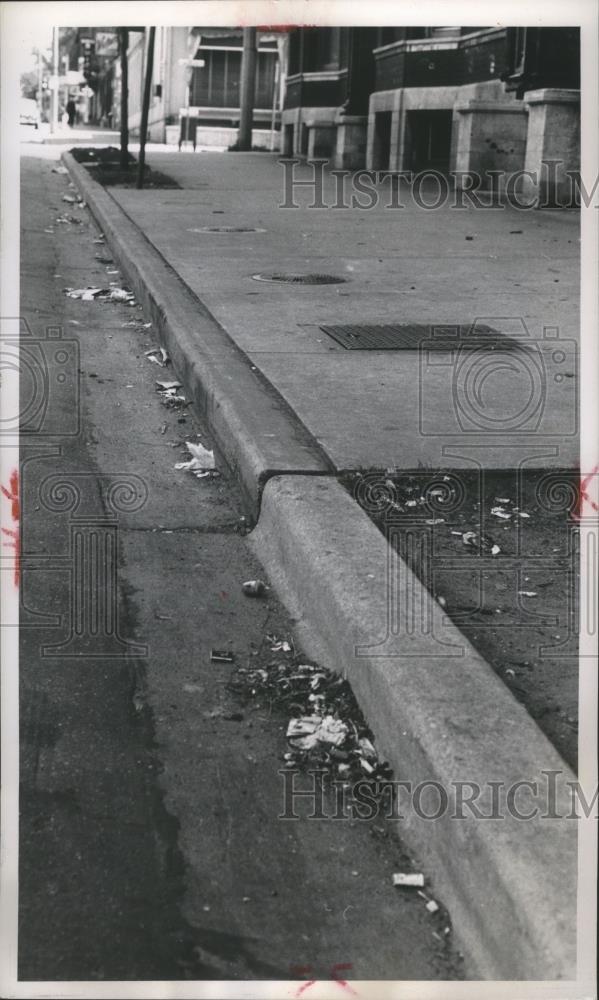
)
(449, 99)
(211, 93)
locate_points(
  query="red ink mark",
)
(342, 982)
(582, 496)
(302, 970)
(224, 595)
(12, 494)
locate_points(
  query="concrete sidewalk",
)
(440, 713)
(400, 409)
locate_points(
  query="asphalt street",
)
(150, 843)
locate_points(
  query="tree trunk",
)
(144, 110)
(248, 87)
(123, 46)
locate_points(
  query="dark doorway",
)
(382, 140)
(429, 140)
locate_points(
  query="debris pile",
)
(170, 395)
(326, 729)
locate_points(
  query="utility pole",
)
(40, 91)
(144, 110)
(248, 88)
(55, 75)
(123, 46)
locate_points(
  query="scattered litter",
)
(510, 673)
(308, 731)
(146, 326)
(121, 295)
(254, 588)
(415, 879)
(515, 232)
(435, 520)
(68, 219)
(502, 514)
(523, 514)
(158, 355)
(528, 593)
(72, 199)
(442, 602)
(222, 656)
(59, 170)
(169, 395)
(167, 386)
(280, 645)
(100, 238)
(480, 543)
(105, 294)
(431, 906)
(201, 462)
(502, 500)
(85, 294)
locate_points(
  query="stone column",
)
(552, 146)
(321, 141)
(491, 136)
(350, 152)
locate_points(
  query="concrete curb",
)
(511, 885)
(440, 714)
(254, 428)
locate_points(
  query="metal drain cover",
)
(410, 337)
(301, 279)
(226, 229)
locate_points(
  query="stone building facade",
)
(450, 99)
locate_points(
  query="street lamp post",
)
(55, 78)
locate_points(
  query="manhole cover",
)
(412, 336)
(301, 279)
(226, 229)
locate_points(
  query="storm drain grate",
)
(411, 336)
(301, 279)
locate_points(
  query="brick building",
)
(443, 98)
